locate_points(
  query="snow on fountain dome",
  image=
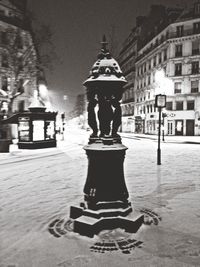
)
(105, 68)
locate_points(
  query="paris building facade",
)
(167, 41)
(175, 51)
(18, 61)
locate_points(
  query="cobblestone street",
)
(38, 187)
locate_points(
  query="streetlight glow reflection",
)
(164, 85)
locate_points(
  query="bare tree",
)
(19, 60)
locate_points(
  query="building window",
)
(160, 58)
(179, 105)
(4, 83)
(197, 8)
(195, 47)
(141, 71)
(154, 61)
(21, 106)
(195, 67)
(196, 27)
(194, 86)
(156, 42)
(178, 50)
(149, 80)
(2, 13)
(190, 105)
(177, 88)
(179, 31)
(165, 54)
(4, 61)
(178, 69)
(4, 38)
(149, 65)
(169, 105)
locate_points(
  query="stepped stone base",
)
(89, 222)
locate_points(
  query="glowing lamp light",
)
(43, 92)
(160, 101)
(164, 85)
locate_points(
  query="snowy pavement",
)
(37, 187)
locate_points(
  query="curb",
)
(166, 141)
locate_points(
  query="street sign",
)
(171, 114)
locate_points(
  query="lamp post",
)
(160, 102)
(63, 125)
(164, 115)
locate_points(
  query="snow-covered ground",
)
(37, 187)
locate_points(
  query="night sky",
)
(78, 27)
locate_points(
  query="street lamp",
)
(164, 86)
(160, 102)
(63, 125)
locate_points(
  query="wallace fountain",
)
(106, 200)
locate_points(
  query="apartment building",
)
(126, 59)
(176, 51)
(146, 28)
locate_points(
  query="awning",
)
(12, 119)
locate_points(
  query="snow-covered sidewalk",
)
(35, 193)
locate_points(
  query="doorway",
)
(190, 127)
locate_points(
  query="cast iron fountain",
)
(106, 205)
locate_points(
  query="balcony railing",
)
(195, 90)
(178, 54)
(195, 52)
